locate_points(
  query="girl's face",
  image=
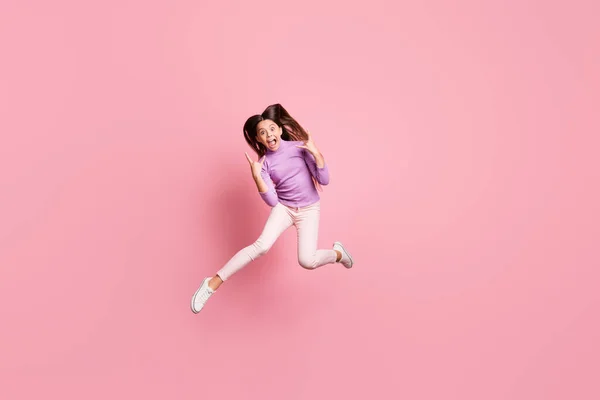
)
(269, 134)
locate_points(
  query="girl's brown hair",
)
(291, 129)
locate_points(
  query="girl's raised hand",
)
(309, 144)
(255, 166)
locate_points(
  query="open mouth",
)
(272, 142)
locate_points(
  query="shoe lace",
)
(204, 295)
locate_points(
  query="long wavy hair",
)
(291, 129)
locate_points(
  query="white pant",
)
(306, 220)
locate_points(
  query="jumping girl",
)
(287, 175)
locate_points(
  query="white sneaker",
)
(201, 296)
(346, 259)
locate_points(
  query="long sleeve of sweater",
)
(270, 196)
(320, 174)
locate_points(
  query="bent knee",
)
(307, 263)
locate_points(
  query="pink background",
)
(462, 143)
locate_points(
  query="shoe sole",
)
(346, 251)
(194, 297)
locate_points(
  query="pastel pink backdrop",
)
(462, 139)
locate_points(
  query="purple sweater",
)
(288, 173)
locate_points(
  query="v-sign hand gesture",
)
(255, 166)
(309, 144)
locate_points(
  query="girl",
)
(289, 170)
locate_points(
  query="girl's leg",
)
(307, 226)
(279, 220)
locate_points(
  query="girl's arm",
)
(317, 167)
(266, 189)
(261, 185)
(263, 181)
(315, 161)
